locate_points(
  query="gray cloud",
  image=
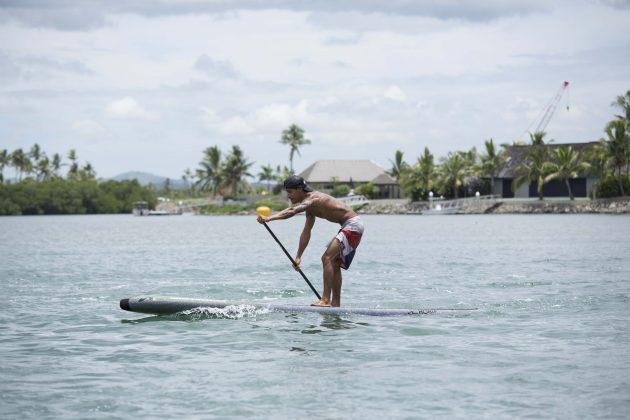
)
(619, 4)
(57, 14)
(71, 15)
(26, 67)
(215, 68)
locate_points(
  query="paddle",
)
(264, 211)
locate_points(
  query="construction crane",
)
(550, 108)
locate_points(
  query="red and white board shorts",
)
(349, 237)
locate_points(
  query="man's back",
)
(325, 206)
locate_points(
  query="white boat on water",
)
(141, 208)
(439, 209)
(354, 201)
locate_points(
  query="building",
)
(322, 174)
(503, 183)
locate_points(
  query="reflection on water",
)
(330, 322)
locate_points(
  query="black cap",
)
(297, 183)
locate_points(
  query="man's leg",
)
(336, 286)
(332, 275)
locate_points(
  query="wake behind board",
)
(168, 305)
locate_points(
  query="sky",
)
(148, 85)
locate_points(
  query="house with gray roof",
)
(323, 174)
(517, 154)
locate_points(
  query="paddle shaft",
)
(292, 260)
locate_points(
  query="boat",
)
(170, 305)
(448, 207)
(140, 208)
(356, 202)
(164, 208)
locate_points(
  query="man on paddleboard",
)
(340, 250)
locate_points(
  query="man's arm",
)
(286, 213)
(305, 237)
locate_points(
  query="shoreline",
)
(508, 206)
(498, 206)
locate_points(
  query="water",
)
(550, 338)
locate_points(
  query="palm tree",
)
(235, 169)
(418, 180)
(537, 138)
(87, 173)
(618, 146)
(35, 153)
(56, 164)
(534, 168)
(186, 177)
(42, 169)
(399, 166)
(210, 175)
(472, 180)
(599, 162)
(4, 160)
(21, 163)
(492, 162)
(566, 166)
(294, 137)
(623, 102)
(453, 171)
(73, 172)
(266, 174)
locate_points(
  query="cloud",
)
(361, 77)
(14, 66)
(215, 68)
(283, 115)
(395, 94)
(75, 16)
(232, 126)
(56, 14)
(269, 118)
(128, 108)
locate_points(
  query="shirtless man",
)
(341, 248)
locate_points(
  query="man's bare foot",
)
(321, 303)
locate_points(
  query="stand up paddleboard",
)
(168, 305)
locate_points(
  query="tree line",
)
(466, 172)
(459, 173)
(227, 175)
(40, 187)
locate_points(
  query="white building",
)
(322, 174)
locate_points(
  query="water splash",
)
(228, 312)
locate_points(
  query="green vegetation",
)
(224, 176)
(275, 204)
(61, 196)
(462, 173)
(294, 137)
(566, 165)
(341, 190)
(369, 190)
(39, 187)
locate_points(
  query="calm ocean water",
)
(551, 338)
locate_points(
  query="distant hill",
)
(145, 178)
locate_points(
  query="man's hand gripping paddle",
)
(265, 212)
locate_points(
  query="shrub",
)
(609, 186)
(341, 190)
(369, 190)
